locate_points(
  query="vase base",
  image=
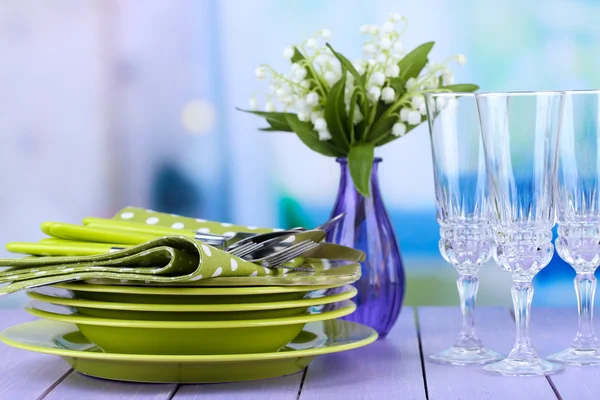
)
(461, 356)
(512, 367)
(572, 356)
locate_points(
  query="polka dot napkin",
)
(164, 260)
(140, 215)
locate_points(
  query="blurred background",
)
(108, 103)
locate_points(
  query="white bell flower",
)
(325, 33)
(381, 58)
(377, 78)
(331, 77)
(373, 29)
(440, 103)
(253, 103)
(283, 91)
(411, 83)
(374, 94)
(270, 107)
(312, 43)
(324, 135)
(261, 73)
(315, 115)
(461, 59)
(387, 27)
(404, 114)
(414, 118)
(301, 105)
(423, 109)
(358, 117)
(384, 43)
(392, 71)
(388, 95)
(303, 116)
(369, 49)
(399, 129)
(448, 79)
(320, 124)
(305, 84)
(396, 17)
(312, 99)
(288, 53)
(398, 47)
(417, 101)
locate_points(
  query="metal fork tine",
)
(246, 249)
(250, 249)
(289, 254)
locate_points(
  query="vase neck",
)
(346, 184)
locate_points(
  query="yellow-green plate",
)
(197, 312)
(63, 339)
(190, 337)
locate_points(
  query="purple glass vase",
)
(367, 227)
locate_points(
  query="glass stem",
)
(522, 295)
(467, 290)
(585, 287)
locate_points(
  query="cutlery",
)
(277, 258)
(59, 247)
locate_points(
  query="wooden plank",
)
(439, 327)
(23, 374)
(387, 369)
(285, 388)
(79, 387)
(552, 330)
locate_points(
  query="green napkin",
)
(140, 215)
(165, 260)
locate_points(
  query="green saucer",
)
(63, 339)
(191, 337)
(195, 312)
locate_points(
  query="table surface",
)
(391, 368)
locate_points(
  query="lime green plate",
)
(196, 312)
(183, 295)
(63, 339)
(192, 337)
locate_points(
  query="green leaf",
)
(309, 137)
(358, 79)
(353, 105)
(382, 127)
(276, 120)
(461, 87)
(335, 114)
(360, 162)
(411, 66)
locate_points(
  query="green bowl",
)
(194, 337)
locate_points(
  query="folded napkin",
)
(140, 215)
(160, 261)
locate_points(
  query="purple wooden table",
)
(388, 369)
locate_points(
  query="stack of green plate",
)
(194, 334)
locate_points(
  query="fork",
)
(278, 258)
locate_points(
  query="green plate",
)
(192, 337)
(179, 295)
(196, 312)
(63, 339)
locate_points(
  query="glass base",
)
(573, 356)
(461, 356)
(512, 367)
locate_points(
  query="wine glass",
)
(578, 211)
(520, 136)
(463, 211)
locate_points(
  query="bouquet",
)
(340, 108)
